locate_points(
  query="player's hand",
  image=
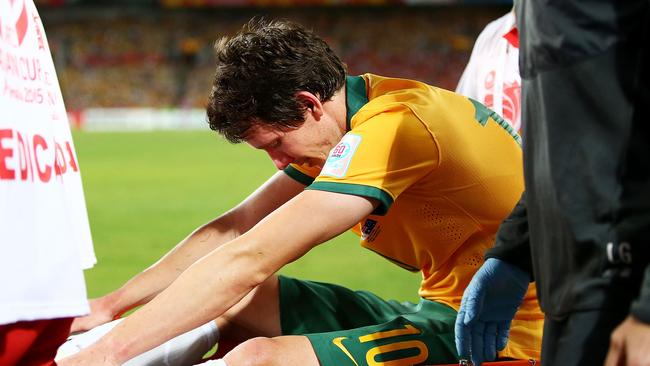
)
(99, 314)
(629, 344)
(487, 308)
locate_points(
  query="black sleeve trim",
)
(512, 242)
(641, 306)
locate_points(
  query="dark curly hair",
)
(260, 70)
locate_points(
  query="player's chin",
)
(308, 162)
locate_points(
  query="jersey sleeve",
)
(380, 158)
(641, 306)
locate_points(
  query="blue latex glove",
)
(487, 308)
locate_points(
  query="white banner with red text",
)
(45, 240)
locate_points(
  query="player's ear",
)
(311, 102)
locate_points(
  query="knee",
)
(258, 351)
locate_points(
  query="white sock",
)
(77, 342)
(185, 349)
(219, 362)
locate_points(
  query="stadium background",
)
(135, 76)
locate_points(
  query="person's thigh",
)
(359, 328)
(580, 339)
(32, 343)
(256, 315)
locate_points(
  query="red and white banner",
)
(45, 239)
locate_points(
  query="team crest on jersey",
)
(340, 156)
(370, 230)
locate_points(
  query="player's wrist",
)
(110, 351)
(110, 305)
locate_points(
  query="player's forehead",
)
(260, 135)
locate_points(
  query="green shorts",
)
(358, 328)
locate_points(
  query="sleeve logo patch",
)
(340, 156)
(370, 230)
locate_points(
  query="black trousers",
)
(581, 339)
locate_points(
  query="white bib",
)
(492, 73)
(45, 240)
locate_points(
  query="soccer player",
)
(587, 205)
(45, 240)
(423, 175)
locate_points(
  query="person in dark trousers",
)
(582, 229)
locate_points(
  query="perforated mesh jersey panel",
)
(446, 229)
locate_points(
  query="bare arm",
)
(220, 279)
(144, 286)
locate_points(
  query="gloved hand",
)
(487, 308)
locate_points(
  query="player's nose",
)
(280, 159)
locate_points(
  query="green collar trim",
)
(356, 97)
(298, 176)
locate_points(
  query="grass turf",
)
(145, 191)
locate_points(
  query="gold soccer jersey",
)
(446, 171)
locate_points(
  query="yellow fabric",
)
(451, 180)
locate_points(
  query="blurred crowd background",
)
(159, 53)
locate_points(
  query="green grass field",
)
(145, 191)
